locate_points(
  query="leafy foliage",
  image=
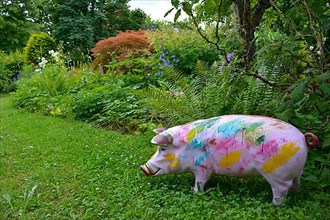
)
(133, 43)
(112, 106)
(18, 19)
(44, 91)
(145, 64)
(10, 66)
(181, 48)
(106, 100)
(80, 24)
(38, 46)
(210, 93)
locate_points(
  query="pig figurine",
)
(234, 145)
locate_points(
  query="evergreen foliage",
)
(38, 46)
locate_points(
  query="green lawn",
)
(52, 168)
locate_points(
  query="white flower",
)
(43, 62)
(56, 55)
(311, 47)
(318, 52)
(51, 52)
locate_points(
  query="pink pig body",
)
(233, 145)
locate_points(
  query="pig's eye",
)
(163, 149)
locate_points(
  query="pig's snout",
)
(148, 170)
(145, 170)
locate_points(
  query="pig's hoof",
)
(199, 187)
(278, 201)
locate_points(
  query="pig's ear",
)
(163, 139)
(159, 130)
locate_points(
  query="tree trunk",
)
(249, 19)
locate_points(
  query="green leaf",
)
(325, 88)
(187, 7)
(175, 3)
(326, 141)
(177, 15)
(313, 97)
(322, 160)
(168, 12)
(324, 76)
(311, 178)
(287, 114)
(299, 90)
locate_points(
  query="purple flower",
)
(229, 56)
(101, 70)
(165, 62)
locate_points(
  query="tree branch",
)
(265, 80)
(205, 37)
(317, 33)
(293, 26)
(218, 22)
(258, 12)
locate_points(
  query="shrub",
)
(117, 48)
(44, 91)
(38, 46)
(110, 101)
(181, 48)
(106, 100)
(10, 67)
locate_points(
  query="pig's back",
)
(244, 144)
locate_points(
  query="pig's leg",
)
(296, 183)
(280, 189)
(201, 177)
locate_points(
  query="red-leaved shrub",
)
(133, 43)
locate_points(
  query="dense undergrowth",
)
(52, 168)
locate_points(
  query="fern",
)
(207, 93)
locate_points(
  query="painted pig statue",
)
(234, 145)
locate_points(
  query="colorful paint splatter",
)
(232, 141)
(235, 145)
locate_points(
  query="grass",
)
(51, 168)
